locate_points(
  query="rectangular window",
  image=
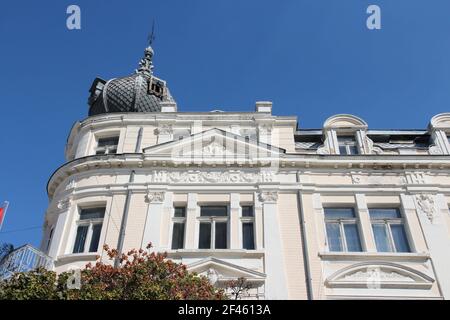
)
(342, 230)
(179, 222)
(178, 236)
(89, 229)
(95, 238)
(388, 230)
(50, 236)
(248, 236)
(221, 235)
(248, 232)
(347, 145)
(205, 236)
(107, 145)
(213, 227)
(80, 239)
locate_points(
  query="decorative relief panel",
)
(64, 203)
(211, 177)
(379, 179)
(268, 196)
(71, 185)
(383, 179)
(426, 206)
(164, 129)
(154, 197)
(379, 275)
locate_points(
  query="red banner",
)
(2, 214)
(3, 209)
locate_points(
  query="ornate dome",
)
(139, 92)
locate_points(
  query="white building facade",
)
(341, 212)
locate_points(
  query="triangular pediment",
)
(214, 145)
(222, 271)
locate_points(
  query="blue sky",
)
(312, 58)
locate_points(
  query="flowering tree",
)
(238, 288)
(141, 275)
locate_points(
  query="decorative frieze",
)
(389, 179)
(198, 176)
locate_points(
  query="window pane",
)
(247, 211)
(216, 211)
(180, 212)
(178, 236)
(381, 238)
(101, 151)
(111, 141)
(334, 237)
(95, 239)
(339, 213)
(221, 235)
(353, 150)
(205, 236)
(80, 239)
(352, 237)
(248, 236)
(384, 213)
(92, 213)
(342, 150)
(346, 139)
(400, 239)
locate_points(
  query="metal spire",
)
(146, 65)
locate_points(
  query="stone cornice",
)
(379, 163)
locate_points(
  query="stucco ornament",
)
(64, 203)
(198, 176)
(214, 148)
(374, 276)
(268, 196)
(154, 197)
(71, 185)
(426, 206)
(435, 150)
(324, 149)
(212, 275)
(164, 129)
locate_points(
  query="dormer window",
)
(347, 145)
(156, 87)
(107, 145)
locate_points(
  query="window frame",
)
(212, 220)
(248, 219)
(179, 220)
(90, 223)
(348, 144)
(342, 222)
(387, 222)
(107, 149)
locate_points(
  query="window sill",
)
(215, 253)
(75, 257)
(373, 256)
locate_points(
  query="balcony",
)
(23, 259)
